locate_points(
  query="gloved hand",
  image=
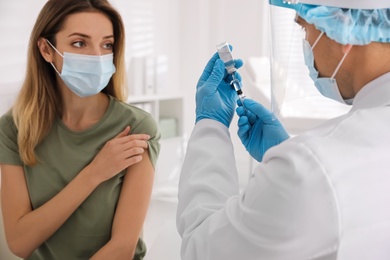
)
(215, 98)
(258, 128)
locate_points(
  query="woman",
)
(77, 162)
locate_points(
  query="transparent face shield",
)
(293, 94)
(289, 73)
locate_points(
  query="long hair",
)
(39, 101)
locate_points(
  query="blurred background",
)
(168, 43)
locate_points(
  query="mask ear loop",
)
(54, 48)
(340, 63)
(58, 53)
(318, 39)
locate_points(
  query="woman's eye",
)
(78, 44)
(108, 46)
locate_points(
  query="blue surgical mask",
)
(85, 75)
(326, 86)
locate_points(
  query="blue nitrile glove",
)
(258, 128)
(215, 98)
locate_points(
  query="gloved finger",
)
(240, 110)
(238, 63)
(237, 75)
(243, 132)
(208, 69)
(252, 118)
(216, 75)
(259, 110)
(242, 121)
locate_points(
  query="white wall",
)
(152, 29)
(16, 21)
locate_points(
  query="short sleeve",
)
(149, 126)
(9, 151)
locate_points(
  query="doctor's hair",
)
(39, 101)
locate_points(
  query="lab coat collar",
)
(375, 93)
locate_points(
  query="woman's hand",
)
(118, 154)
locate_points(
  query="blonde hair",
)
(39, 101)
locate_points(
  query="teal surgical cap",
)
(349, 26)
(345, 25)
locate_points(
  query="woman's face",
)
(88, 33)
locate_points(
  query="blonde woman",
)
(77, 162)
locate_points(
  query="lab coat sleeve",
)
(287, 210)
(208, 179)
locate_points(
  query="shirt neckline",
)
(93, 127)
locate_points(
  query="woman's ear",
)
(45, 50)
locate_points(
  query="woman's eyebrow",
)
(79, 34)
(87, 36)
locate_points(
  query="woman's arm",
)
(27, 229)
(131, 211)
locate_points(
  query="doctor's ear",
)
(45, 50)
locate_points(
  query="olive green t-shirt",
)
(62, 155)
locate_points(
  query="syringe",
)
(237, 87)
(226, 56)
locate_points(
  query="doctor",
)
(322, 195)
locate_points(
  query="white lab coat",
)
(322, 195)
